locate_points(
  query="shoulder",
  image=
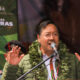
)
(25, 59)
(24, 64)
(34, 45)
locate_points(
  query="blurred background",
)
(65, 13)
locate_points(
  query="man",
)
(59, 67)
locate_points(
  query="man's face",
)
(47, 36)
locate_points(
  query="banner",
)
(8, 25)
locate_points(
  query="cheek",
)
(57, 38)
(57, 41)
(43, 41)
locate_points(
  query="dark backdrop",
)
(65, 13)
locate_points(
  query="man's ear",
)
(38, 37)
(78, 56)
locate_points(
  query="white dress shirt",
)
(47, 64)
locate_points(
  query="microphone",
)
(53, 45)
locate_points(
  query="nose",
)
(51, 37)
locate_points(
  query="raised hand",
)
(0, 72)
(13, 56)
(78, 56)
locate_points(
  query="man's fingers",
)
(5, 55)
(22, 55)
(14, 48)
(78, 56)
(18, 50)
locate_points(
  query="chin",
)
(50, 49)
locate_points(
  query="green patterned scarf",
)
(36, 58)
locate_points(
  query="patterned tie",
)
(52, 70)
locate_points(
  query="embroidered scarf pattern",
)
(36, 58)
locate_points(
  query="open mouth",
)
(49, 43)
